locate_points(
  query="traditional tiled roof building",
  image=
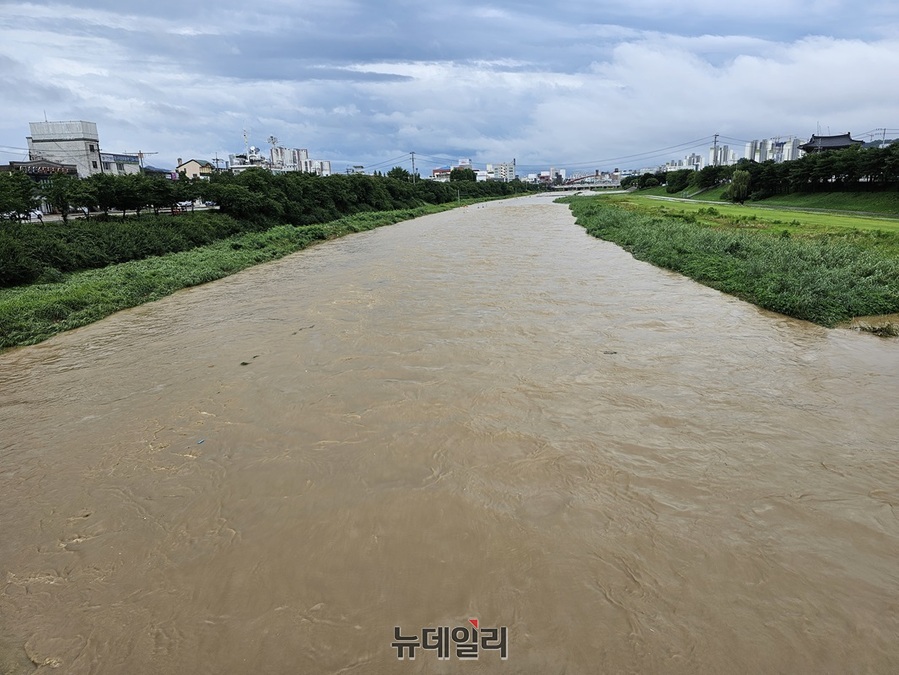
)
(822, 143)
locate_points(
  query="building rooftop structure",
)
(40, 168)
(821, 143)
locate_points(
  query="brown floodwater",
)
(484, 413)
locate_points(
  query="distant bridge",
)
(592, 180)
(588, 182)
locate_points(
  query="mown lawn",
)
(870, 202)
(886, 203)
(752, 215)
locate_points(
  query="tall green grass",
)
(825, 280)
(30, 314)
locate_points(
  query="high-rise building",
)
(720, 155)
(773, 149)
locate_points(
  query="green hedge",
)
(31, 252)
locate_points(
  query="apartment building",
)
(773, 149)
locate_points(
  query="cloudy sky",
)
(583, 85)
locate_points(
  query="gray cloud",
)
(360, 82)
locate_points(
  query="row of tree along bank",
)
(293, 198)
(853, 169)
(826, 278)
(252, 201)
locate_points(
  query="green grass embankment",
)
(821, 274)
(30, 314)
(759, 217)
(886, 203)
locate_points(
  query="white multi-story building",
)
(504, 172)
(721, 155)
(786, 151)
(280, 160)
(290, 159)
(773, 149)
(692, 161)
(67, 143)
(321, 167)
(285, 159)
(751, 150)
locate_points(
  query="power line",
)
(640, 155)
(392, 162)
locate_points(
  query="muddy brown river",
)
(483, 414)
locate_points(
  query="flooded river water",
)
(485, 414)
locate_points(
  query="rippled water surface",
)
(483, 413)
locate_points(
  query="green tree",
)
(18, 193)
(649, 180)
(676, 181)
(83, 195)
(710, 176)
(187, 190)
(58, 192)
(239, 201)
(462, 174)
(104, 187)
(399, 173)
(160, 193)
(131, 193)
(739, 187)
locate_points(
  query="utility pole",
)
(413, 166)
(715, 152)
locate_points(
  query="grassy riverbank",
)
(762, 217)
(885, 202)
(785, 262)
(30, 314)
